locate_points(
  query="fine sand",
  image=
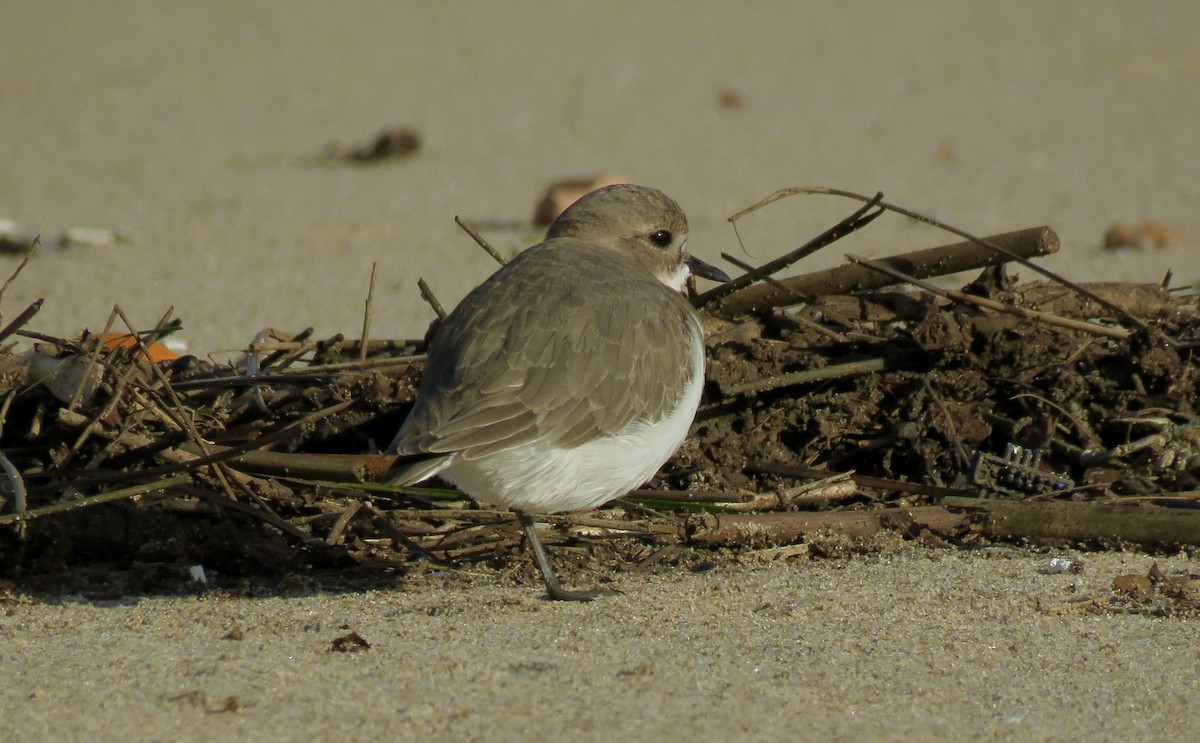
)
(199, 127)
(926, 645)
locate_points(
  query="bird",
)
(572, 374)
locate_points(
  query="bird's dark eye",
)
(661, 238)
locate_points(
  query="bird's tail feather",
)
(412, 470)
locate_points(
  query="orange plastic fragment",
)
(158, 352)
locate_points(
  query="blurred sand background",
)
(198, 128)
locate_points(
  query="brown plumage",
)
(570, 375)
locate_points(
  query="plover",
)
(572, 374)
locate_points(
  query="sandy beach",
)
(922, 645)
(197, 132)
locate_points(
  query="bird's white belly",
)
(544, 479)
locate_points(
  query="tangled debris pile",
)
(842, 409)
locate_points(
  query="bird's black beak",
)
(705, 270)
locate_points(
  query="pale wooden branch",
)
(923, 264)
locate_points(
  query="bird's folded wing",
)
(564, 363)
(410, 471)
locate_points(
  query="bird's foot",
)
(555, 592)
(554, 589)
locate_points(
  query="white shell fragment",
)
(65, 376)
(1058, 565)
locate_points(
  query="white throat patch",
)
(677, 280)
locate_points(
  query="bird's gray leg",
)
(553, 588)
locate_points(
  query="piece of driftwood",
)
(1141, 524)
(727, 530)
(349, 468)
(922, 264)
